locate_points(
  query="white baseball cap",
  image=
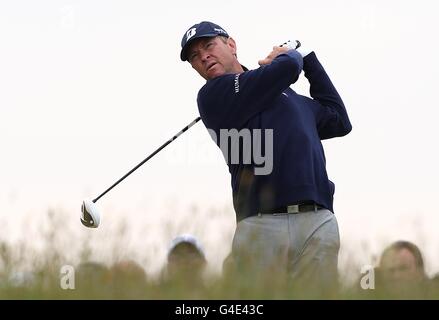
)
(186, 238)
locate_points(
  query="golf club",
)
(90, 214)
(91, 217)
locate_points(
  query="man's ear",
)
(232, 44)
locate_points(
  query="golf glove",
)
(296, 45)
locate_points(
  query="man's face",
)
(185, 260)
(400, 266)
(213, 57)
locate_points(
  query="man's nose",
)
(204, 55)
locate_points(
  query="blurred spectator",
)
(92, 279)
(402, 261)
(401, 270)
(186, 261)
(434, 287)
(21, 279)
(128, 280)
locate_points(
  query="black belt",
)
(295, 208)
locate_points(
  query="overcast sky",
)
(90, 88)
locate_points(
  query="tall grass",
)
(27, 272)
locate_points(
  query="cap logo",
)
(190, 33)
(219, 30)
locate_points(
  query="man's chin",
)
(213, 73)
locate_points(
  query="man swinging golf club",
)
(285, 220)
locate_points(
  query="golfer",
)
(285, 220)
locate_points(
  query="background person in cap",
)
(186, 261)
(285, 220)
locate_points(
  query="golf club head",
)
(90, 216)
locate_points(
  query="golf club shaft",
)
(149, 157)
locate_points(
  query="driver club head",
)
(90, 217)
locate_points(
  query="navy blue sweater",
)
(262, 99)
